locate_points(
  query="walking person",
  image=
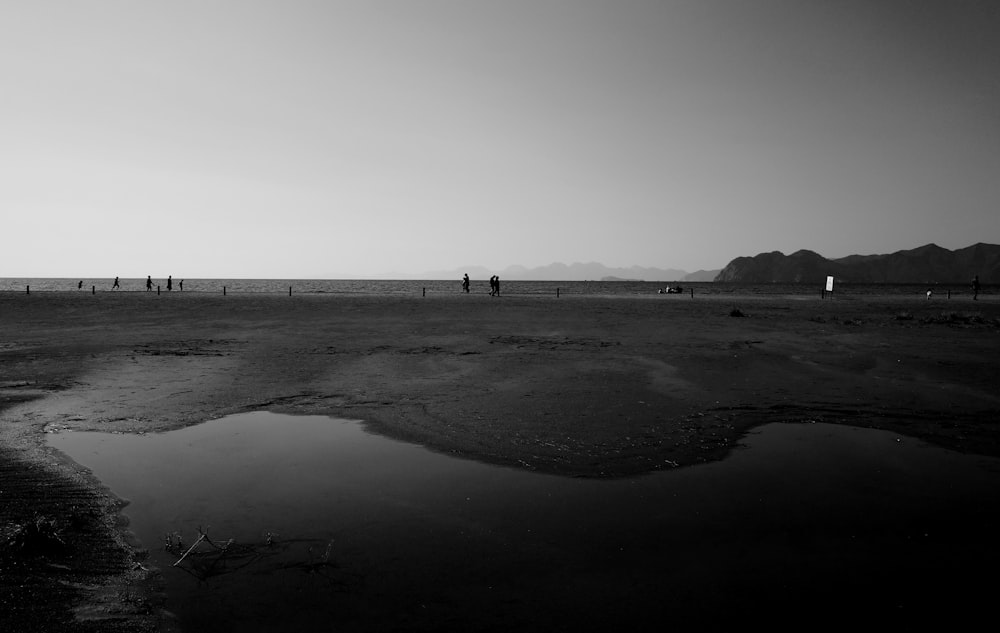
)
(116, 286)
(496, 285)
(180, 285)
(465, 282)
(149, 283)
(975, 288)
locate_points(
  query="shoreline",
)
(591, 386)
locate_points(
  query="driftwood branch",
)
(190, 549)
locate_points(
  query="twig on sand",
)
(191, 549)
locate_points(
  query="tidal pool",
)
(336, 528)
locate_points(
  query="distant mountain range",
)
(926, 264)
(591, 271)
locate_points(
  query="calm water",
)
(368, 533)
(417, 287)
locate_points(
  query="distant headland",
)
(928, 264)
(590, 271)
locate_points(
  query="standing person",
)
(465, 282)
(181, 285)
(496, 285)
(493, 285)
(149, 283)
(116, 286)
(170, 282)
(975, 288)
(79, 285)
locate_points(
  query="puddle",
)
(337, 528)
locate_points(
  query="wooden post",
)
(223, 291)
(27, 290)
(289, 291)
(425, 292)
(157, 290)
(692, 292)
(93, 290)
(557, 293)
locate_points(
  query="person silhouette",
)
(149, 283)
(180, 285)
(975, 288)
(79, 285)
(465, 282)
(116, 286)
(170, 282)
(496, 285)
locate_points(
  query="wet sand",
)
(579, 386)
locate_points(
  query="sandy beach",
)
(599, 387)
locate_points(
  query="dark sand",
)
(581, 386)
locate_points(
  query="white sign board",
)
(829, 283)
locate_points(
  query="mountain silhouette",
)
(557, 271)
(926, 264)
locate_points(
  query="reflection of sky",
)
(809, 502)
(623, 132)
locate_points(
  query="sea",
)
(454, 286)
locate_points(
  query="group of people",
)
(170, 283)
(149, 283)
(494, 285)
(975, 289)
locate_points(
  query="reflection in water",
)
(311, 523)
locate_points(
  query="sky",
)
(326, 139)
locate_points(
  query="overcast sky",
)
(292, 139)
